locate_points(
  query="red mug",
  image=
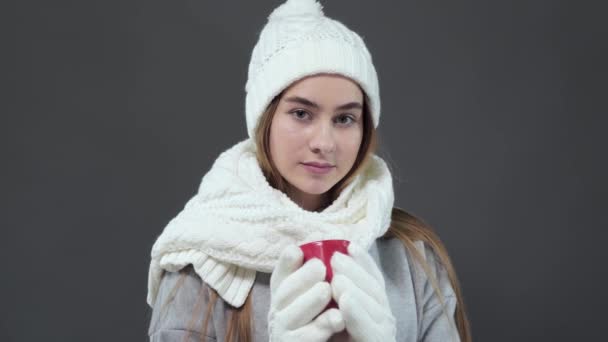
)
(324, 250)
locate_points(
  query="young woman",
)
(227, 267)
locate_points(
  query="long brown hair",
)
(404, 226)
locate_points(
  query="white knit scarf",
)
(238, 224)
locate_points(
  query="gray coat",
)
(416, 308)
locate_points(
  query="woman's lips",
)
(317, 170)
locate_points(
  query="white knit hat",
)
(299, 40)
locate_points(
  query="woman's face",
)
(319, 119)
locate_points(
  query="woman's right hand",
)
(297, 296)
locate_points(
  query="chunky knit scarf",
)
(238, 224)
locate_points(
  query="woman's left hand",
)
(358, 288)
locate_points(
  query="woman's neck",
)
(310, 202)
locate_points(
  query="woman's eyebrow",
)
(307, 102)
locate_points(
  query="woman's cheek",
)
(352, 140)
(291, 127)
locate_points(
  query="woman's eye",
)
(300, 114)
(346, 119)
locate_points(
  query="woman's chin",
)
(315, 188)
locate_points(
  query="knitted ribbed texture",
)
(299, 40)
(238, 224)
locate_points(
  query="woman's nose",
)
(322, 139)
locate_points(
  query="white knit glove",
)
(297, 296)
(358, 288)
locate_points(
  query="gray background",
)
(492, 121)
